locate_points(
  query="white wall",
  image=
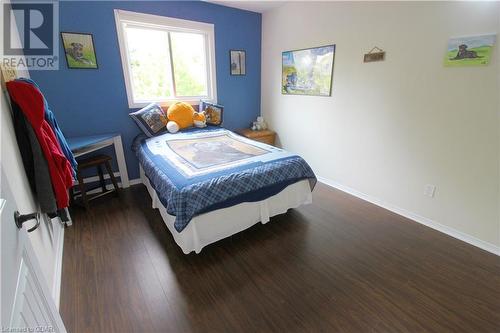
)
(498, 95)
(47, 240)
(392, 127)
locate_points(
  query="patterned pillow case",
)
(150, 119)
(213, 112)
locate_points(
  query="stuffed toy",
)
(181, 115)
(199, 119)
(259, 125)
(172, 127)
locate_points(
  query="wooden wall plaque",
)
(374, 56)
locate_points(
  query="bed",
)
(211, 183)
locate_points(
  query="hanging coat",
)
(35, 165)
(31, 103)
(51, 119)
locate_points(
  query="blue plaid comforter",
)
(186, 196)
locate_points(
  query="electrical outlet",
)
(430, 190)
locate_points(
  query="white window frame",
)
(122, 18)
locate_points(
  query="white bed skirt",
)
(210, 227)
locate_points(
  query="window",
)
(166, 59)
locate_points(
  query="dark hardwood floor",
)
(338, 265)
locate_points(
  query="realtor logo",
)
(30, 35)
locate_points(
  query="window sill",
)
(192, 101)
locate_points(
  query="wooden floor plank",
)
(338, 265)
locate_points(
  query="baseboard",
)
(56, 285)
(415, 217)
(135, 181)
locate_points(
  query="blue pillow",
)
(213, 112)
(149, 119)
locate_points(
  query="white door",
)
(27, 305)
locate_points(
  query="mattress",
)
(200, 171)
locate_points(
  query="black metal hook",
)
(20, 219)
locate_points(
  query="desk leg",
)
(120, 158)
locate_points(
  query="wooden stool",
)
(95, 161)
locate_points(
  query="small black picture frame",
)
(79, 50)
(237, 62)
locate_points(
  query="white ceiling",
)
(254, 6)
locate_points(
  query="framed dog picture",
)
(79, 50)
(469, 51)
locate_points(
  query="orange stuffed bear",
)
(181, 115)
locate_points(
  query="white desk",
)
(86, 144)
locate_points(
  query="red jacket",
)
(30, 101)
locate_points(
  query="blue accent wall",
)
(89, 102)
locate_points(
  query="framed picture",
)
(79, 50)
(213, 113)
(469, 51)
(237, 60)
(308, 71)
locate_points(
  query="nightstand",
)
(266, 136)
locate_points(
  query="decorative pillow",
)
(213, 112)
(150, 119)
